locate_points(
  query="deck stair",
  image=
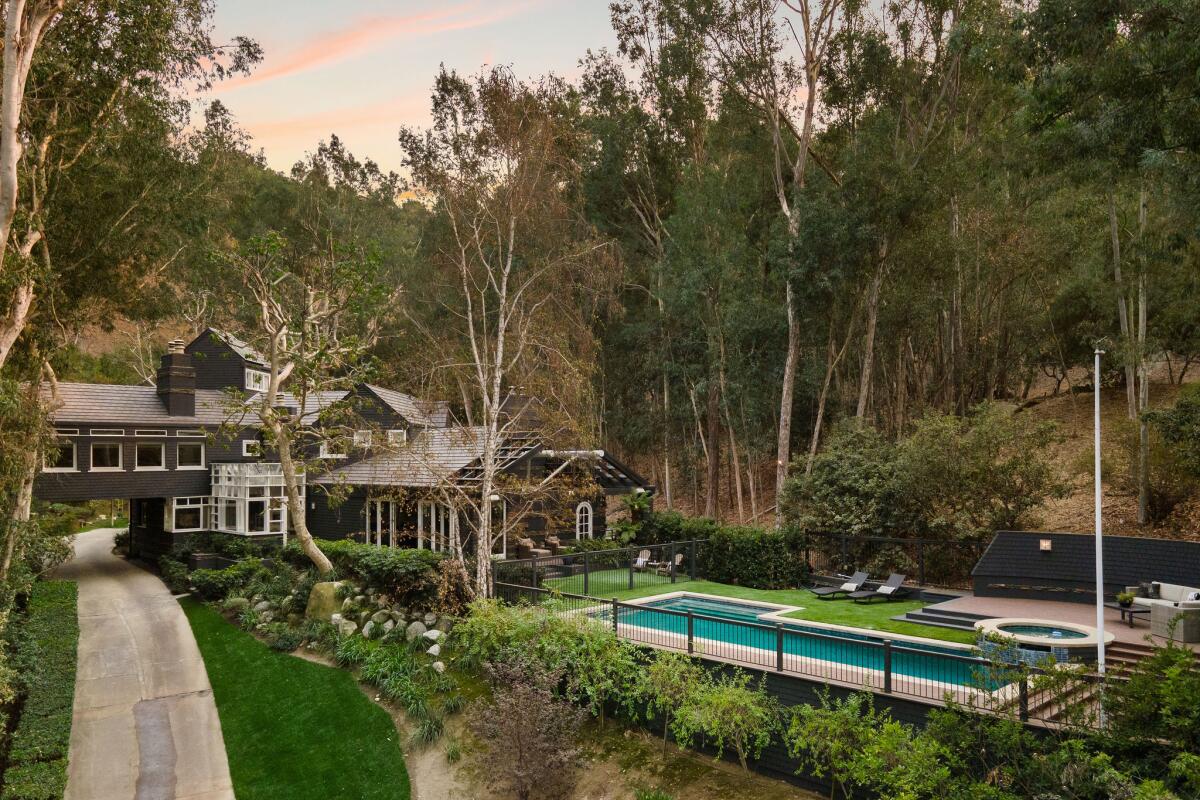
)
(943, 618)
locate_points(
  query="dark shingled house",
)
(185, 467)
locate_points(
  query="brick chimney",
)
(177, 381)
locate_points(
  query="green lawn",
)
(104, 522)
(873, 616)
(292, 728)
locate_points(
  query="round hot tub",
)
(1036, 640)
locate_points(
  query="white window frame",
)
(256, 380)
(74, 458)
(397, 436)
(323, 452)
(150, 432)
(203, 461)
(178, 503)
(584, 520)
(251, 448)
(192, 433)
(120, 467)
(162, 457)
(362, 439)
(107, 431)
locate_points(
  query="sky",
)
(363, 68)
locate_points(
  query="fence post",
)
(845, 552)
(691, 633)
(1023, 699)
(921, 562)
(671, 561)
(692, 559)
(779, 647)
(586, 572)
(631, 568)
(887, 666)
(615, 610)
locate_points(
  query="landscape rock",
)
(380, 617)
(268, 616)
(262, 605)
(388, 627)
(348, 604)
(369, 629)
(444, 624)
(360, 599)
(435, 651)
(322, 602)
(347, 627)
(433, 635)
(414, 630)
(439, 666)
(430, 619)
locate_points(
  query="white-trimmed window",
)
(60, 457)
(249, 499)
(192, 433)
(151, 432)
(583, 520)
(149, 455)
(189, 455)
(251, 448)
(398, 436)
(332, 448)
(108, 431)
(189, 514)
(257, 380)
(362, 439)
(106, 456)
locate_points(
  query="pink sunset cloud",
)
(370, 33)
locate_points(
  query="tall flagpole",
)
(1099, 524)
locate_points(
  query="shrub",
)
(217, 584)
(662, 527)
(121, 541)
(44, 657)
(282, 637)
(729, 712)
(174, 574)
(527, 735)
(409, 577)
(755, 557)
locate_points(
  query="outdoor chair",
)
(665, 568)
(889, 590)
(642, 562)
(554, 545)
(525, 549)
(853, 585)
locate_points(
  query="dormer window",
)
(335, 448)
(362, 439)
(398, 436)
(257, 380)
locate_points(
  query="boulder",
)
(439, 666)
(432, 635)
(435, 651)
(322, 602)
(262, 605)
(369, 629)
(380, 617)
(414, 630)
(347, 604)
(430, 619)
(444, 624)
(388, 627)
(347, 627)
(268, 616)
(359, 599)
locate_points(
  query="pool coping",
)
(777, 612)
(1091, 638)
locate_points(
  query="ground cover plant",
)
(44, 655)
(294, 728)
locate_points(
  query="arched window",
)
(583, 520)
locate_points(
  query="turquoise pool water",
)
(839, 647)
(1049, 631)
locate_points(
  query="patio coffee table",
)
(1129, 612)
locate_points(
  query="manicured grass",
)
(104, 522)
(292, 728)
(873, 616)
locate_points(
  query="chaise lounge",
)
(889, 590)
(856, 583)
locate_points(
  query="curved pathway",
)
(145, 725)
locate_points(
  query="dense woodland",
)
(815, 245)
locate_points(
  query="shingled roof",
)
(425, 413)
(135, 405)
(247, 352)
(430, 457)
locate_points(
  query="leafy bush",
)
(121, 540)
(282, 637)
(217, 584)
(174, 574)
(755, 557)
(410, 577)
(45, 652)
(662, 527)
(729, 711)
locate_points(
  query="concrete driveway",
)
(145, 725)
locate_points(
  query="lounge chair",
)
(525, 549)
(853, 585)
(554, 544)
(889, 590)
(642, 562)
(664, 568)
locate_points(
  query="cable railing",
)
(860, 660)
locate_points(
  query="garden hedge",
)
(755, 557)
(410, 577)
(44, 659)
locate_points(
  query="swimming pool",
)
(723, 627)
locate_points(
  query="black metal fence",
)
(903, 668)
(926, 562)
(599, 572)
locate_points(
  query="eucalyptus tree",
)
(516, 272)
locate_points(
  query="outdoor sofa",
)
(1170, 605)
